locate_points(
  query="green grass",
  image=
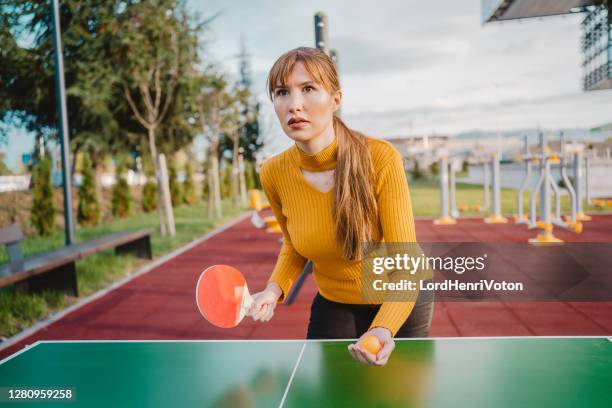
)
(425, 195)
(18, 311)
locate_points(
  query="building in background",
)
(596, 30)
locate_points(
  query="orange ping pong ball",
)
(370, 344)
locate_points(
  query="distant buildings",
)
(424, 149)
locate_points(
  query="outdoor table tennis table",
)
(444, 372)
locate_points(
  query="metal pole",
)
(544, 185)
(587, 178)
(321, 33)
(454, 212)
(582, 186)
(335, 57)
(545, 198)
(544, 191)
(445, 218)
(62, 118)
(486, 184)
(521, 218)
(568, 184)
(496, 217)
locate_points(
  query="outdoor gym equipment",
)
(445, 217)
(580, 215)
(448, 192)
(486, 185)
(520, 217)
(572, 223)
(496, 217)
(543, 186)
(546, 181)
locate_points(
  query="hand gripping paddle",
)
(222, 296)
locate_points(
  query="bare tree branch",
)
(157, 85)
(173, 77)
(138, 115)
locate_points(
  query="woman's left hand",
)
(381, 358)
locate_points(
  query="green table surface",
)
(454, 372)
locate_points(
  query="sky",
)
(413, 67)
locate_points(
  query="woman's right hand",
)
(264, 302)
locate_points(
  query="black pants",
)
(332, 320)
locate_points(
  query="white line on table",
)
(297, 363)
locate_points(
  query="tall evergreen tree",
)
(89, 210)
(189, 195)
(250, 137)
(122, 196)
(43, 212)
(176, 192)
(149, 195)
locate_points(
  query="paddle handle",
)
(245, 306)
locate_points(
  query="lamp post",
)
(321, 33)
(62, 122)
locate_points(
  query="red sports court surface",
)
(160, 304)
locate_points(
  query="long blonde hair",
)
(355, 209)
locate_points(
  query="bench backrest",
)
(10, 236)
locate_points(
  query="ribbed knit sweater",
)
(305, 217)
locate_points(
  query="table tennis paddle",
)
(222, 296)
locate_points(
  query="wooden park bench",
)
(56, 269)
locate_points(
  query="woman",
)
(332, 192)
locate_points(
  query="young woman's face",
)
(305, 108)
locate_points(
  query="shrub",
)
(226, 181)
(251, 179)
(43, 213)
(122, 197)
(416, 173)
(189, 195)
(175, 188)
(89, 209)
(433, 168)
(205, 191)
(149, 195)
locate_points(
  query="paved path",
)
(160, 304)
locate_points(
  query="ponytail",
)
(355, 210)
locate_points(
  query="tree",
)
(176, 193)
(252, 180)
(242, 129)
(155, 47)
(433, 168)
(205, 184)
(89, 210)
(211, 97)
(417, 173)
(250, 138)
(235, 118)
(227, 180)
(43, 213)
(27, 73)
(149, 202)
(189, 195)
(122, 197)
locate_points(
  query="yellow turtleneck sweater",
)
(305, 217)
